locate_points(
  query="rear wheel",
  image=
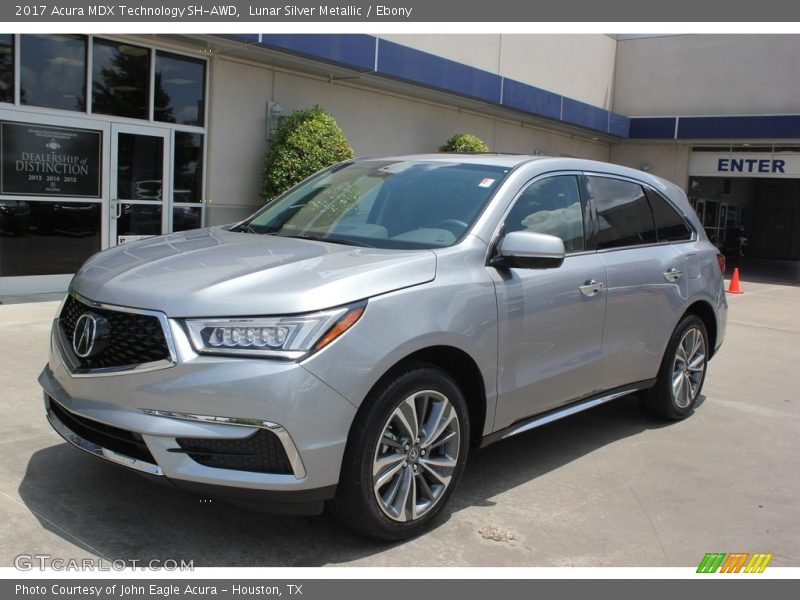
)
(406, 453)
(682, 372)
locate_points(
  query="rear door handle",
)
(592, 287)
(672, 274)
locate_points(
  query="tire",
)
(393, 483)
(682, 373)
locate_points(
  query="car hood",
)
(215, 272)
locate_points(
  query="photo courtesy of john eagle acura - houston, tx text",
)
(351, 342)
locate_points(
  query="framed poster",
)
(45, 160)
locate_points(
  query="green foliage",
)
(464, 142)
(304, 142)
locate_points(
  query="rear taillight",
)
(721, 261)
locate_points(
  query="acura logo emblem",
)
(90, 335)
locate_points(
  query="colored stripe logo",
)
(736, 562)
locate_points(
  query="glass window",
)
(670, 226)
(6, 67)
(551, 206)
(47, 238)
(53, 71)
(139, 219)
(383, 204)
(140, 167)
(180, 89)
(188, 169)
(120, 79)
(186, 217)
(623, 215)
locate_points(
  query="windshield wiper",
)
(247, 228)
(332, 240)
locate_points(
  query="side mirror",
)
(529, 250)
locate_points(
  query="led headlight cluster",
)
(282, 337)
(249, 337)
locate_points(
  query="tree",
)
(464, 142)
(304, 142)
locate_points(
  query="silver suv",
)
(352, 341)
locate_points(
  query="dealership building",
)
(105, 139)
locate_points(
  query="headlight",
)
(278, 337)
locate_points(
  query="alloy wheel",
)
(688, 367)
(416, 456)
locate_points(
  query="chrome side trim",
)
(92, 448)
(126, 370)
(286, 440)
(564, 412)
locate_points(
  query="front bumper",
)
(218, 400)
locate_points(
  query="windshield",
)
(383, 204)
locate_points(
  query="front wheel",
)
(682, 372)
(406, 453)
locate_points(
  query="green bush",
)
(464, 142)
(304, 142)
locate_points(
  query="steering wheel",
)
(454, 226)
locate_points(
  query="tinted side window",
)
(551, 206)
(623, 214)
(670, 226)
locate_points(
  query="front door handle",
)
(592, 287)
(672, 274)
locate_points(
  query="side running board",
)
(565, 411)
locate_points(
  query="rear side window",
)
(551, 206)
(670, 226)
(623, 213)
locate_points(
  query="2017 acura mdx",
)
(354, 339)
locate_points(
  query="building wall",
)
(374, 122)
(684, 74)
(236, 138)
(708, 75)
(670, 161)
(579, 66)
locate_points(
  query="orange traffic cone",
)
(733, 287)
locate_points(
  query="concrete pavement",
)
(606, 487)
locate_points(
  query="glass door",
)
(141, 190)
(53, 199)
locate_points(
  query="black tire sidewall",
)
(363, 443)
(665, 376)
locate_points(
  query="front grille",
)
(261, 452)
(133, 339)
(122, 441)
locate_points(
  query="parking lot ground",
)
(608, 487)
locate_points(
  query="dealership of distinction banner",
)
(42, 160)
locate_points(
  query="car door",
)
(550, 321)
(645, 277)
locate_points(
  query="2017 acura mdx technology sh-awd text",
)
(356, 338)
